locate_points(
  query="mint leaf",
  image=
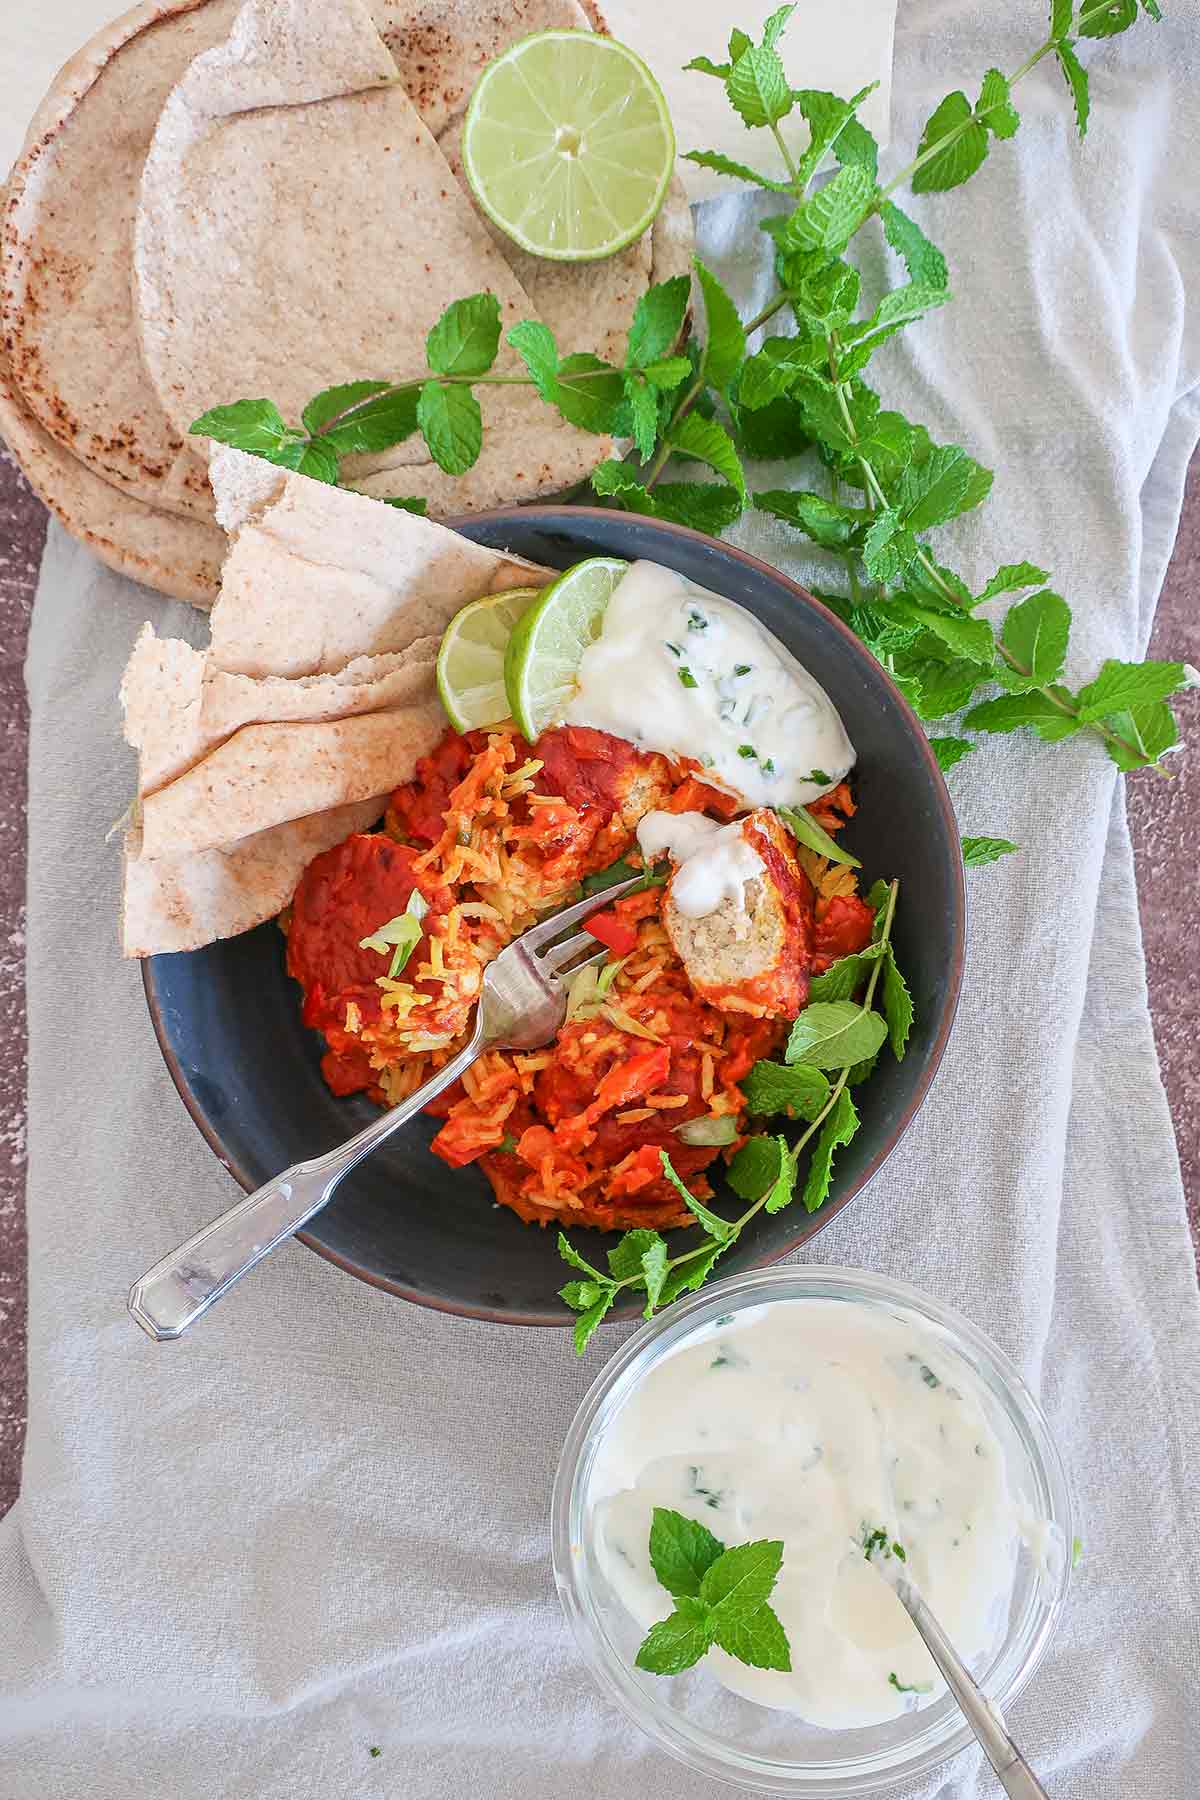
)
(587, 1321)
(655, 1261)
(1151, 730)
(725, 340)
(625, 1258)
(534, 344)
(378, 424)
(1011, 711)
(806, 831)
(667, 374)
(1120, 685)
(331, 401)
(887, 444)
(676, 1643)
(923, 260)
(977, 851)
(704, 505)
(963, 141)
(1077, 80)
(410, 503)
(828, 220)
(1010, 579)
(1000, 115)
(757, 1638)
(946, 484)
(773, 369)
(643, 413)
(774, 1087)
(686, 1277)
(704, 65)
(846, 976)
(253, 425)
(588, 392)
(970, 639)
(824, 521)
(930, 683)
(582, 1294)
(755, 1168)
(950, 750)
(837, 1130)
(772, 30)
(758, 87)
(725, 165)
(569, 1254)
(451, 424)
(742, 1578)
(899, 308)
(709, 443)
(1116, 17)
(314, 457)
(889, 548)
(1035, 634)
(1062, 12)
(681, 1551)
(465, 339)
(772, 432)
(832, 1035)
(657, 321)
(783, 1187)
(897, 1006)
(716, 1227)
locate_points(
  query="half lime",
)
(568, 145)
(470, 664)
(541, 664)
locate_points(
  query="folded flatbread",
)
(314, 699)
(77, 380)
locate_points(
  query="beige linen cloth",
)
(319, 1523)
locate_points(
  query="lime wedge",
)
(568, 145)
(470, 664)
(544, 652)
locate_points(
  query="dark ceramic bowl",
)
(228, 1017)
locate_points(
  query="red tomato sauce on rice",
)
(495, 834)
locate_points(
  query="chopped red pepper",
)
(614, 933)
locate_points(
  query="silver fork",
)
(522, 1004)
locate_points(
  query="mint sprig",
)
(721, 1597)
(824, 1058)
(717, 401)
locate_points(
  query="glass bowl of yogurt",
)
(836, 1411)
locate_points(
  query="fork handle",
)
(184, 1284)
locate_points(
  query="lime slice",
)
(470, 664)
(544, 652)
(568, 145)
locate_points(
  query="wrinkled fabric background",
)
(320, 1522)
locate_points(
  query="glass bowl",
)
(692, 1716)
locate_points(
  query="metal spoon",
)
(986, 1721)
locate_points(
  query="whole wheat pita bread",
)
(178, 706)
(258, 269)
(182, 902)
(177, 556)
(236, 743)
(316, 575)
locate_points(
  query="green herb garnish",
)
(803, 387)
(902, 1687)
(741, 668)
(400, 935)
(823, 1059)
(721, 1597)
(876, 1543)
(747, 750)
(507, 1145)
(687, 678)
(617, 872)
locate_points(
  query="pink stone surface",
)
(1165, 817)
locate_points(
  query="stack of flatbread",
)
(314, 698)
(222, 199)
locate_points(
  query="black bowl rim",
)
(545, 518)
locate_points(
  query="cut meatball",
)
(754, 959)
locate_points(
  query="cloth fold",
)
(319, 1523)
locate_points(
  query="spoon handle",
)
(985, 1720)
(174, 1293)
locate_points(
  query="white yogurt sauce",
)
(679, 670)
(712, 862)
(817, 1421)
